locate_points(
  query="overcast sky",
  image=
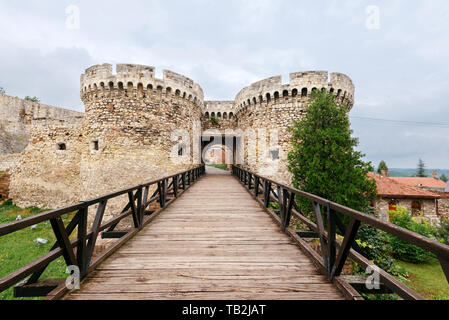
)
(396, 53)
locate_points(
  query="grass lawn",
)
(19, 248)
(219, 166)
(427, 279)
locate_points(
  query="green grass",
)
(427, 279)
(219, 166)
(19, 248)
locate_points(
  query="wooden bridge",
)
(212, 237)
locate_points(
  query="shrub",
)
(373, 246)
(214, 120)
(403, 250)
(443, 231)
(8, 202)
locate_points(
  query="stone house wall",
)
(381, 207)
(4, 185)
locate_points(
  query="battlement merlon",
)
(219, 106)
(299, 81)
(102, 77)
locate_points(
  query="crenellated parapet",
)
(139, 81)
(272, 90)
(219, 109)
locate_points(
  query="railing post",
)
(280, 202)
(331, 234)
(134, 209)
(288, 213)
(81, 252)
(175, 186)
(139, 206)
(256, 186)
(183, 181)
(267, 190)
(345, 247)
(250, 178)
(319, 223)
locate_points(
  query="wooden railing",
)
(79, 251)
(333, 252)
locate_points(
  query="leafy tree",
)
(444, 178)
(323, 159)
(421, 170)
(32, 99)
(382, 166)
(2, 91)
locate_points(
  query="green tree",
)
(323, 159)
(2, 91)
(444, 178)
(214, 120)
(421, 170)
(382, 166)
(32, 99)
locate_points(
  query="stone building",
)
(418, 201)
(135, 126)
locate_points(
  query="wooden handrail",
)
(334, 259)
(85, 241)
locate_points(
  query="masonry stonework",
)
(125, 136)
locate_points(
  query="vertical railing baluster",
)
(81, 252)
(280, 202)
(331, 235)
(183, 181)
(256, 186)
(175, 186)
(139, 206)
(267, 190)
(134, 210)
(319, 222)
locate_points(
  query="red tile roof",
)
(388, 187)
(425, 182)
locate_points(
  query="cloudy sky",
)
(396, 52)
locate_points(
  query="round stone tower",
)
(129, 119)
(271, 105)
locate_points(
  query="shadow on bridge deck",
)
(214, 242)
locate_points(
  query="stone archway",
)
(223, 149)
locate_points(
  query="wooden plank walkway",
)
(214, 242)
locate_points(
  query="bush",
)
(443, 231)
(214, 121)
(403, 250)
(373, 246)
(8, 202)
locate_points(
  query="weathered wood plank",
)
(214, 242)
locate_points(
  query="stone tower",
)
(129, 118)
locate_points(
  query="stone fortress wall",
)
(129, 119)
(124, 138)
(24, 128)
(18, 117)
(271, 105)
(222, 111)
